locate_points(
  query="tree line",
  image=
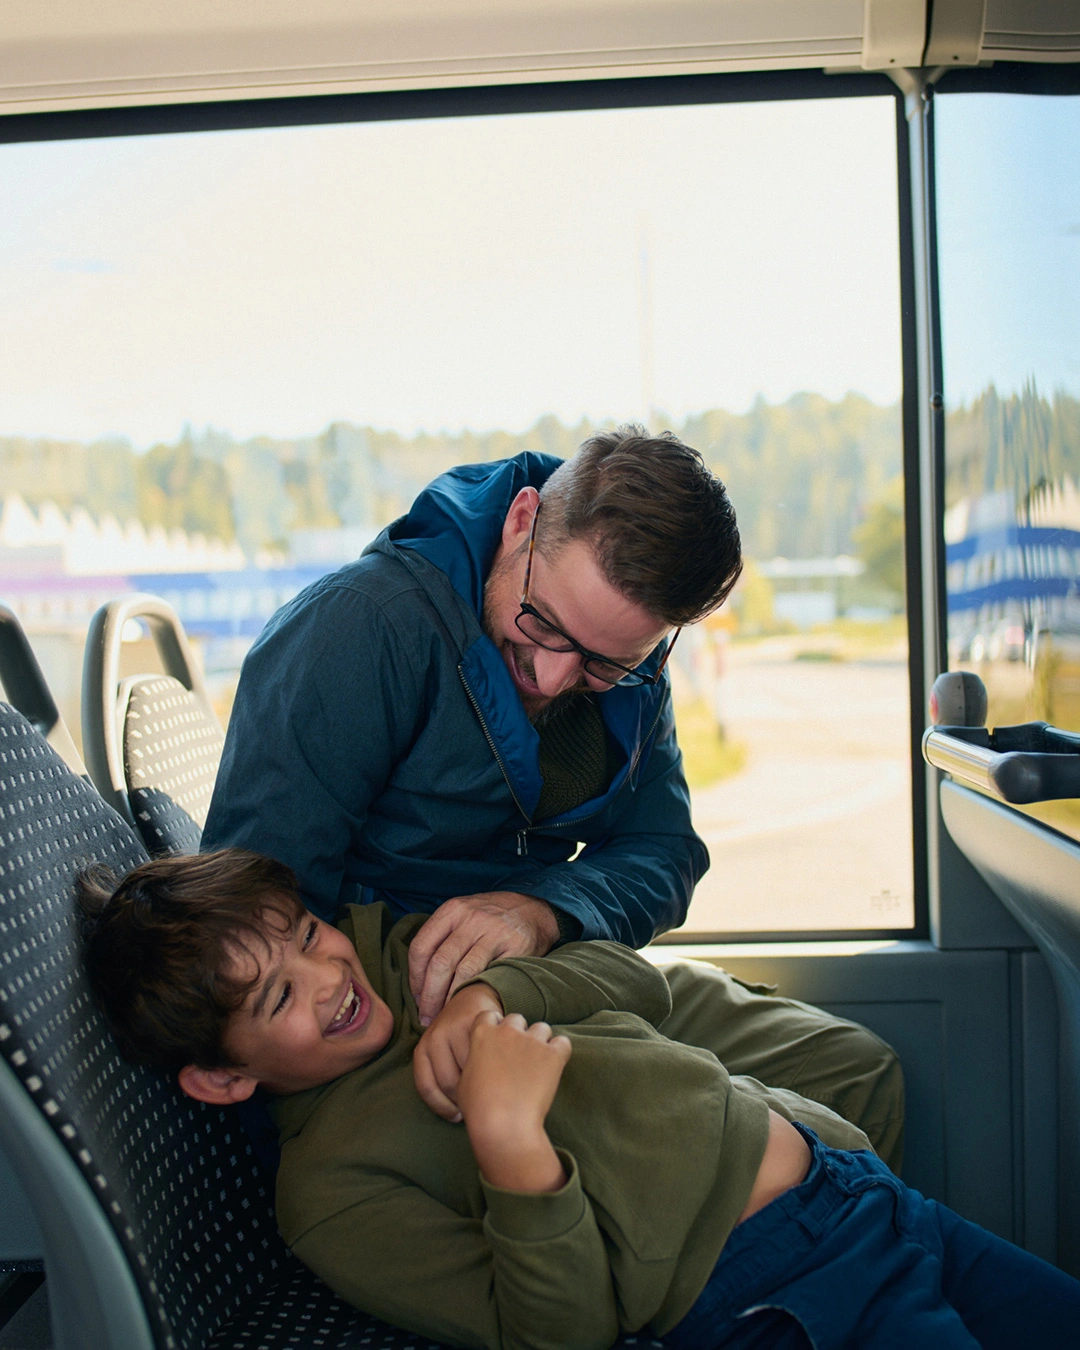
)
(810, 477)
(801, 473)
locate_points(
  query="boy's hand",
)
(505, 1091)
(467, 933)
(444, 1047)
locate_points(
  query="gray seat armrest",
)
(93, 1301)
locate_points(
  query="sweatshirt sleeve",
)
(532, 1274)
(578, 980)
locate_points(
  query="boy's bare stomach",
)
(785, 1164)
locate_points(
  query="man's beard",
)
(540, 711)
(555, 708)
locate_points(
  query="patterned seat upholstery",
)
(189, 1207)
(171, 747)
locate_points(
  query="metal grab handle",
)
(28, 692)
(101, 680)
(1033, 762)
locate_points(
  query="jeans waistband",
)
(762, 1249)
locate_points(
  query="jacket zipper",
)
(522, 849)
(522, 835)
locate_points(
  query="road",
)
(815, 832)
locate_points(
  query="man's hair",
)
(158, 946)
(662, 524)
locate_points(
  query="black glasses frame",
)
(630, 677)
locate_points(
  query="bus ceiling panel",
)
(979, 32)
(1031, 30)
(114, 53)
(956, 33)
(894, 34)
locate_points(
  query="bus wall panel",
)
(948, 1015)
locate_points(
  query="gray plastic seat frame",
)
(93, 1301)
(102, 713)
(27, 690)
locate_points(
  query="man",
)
(473, 721)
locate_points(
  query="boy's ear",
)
(219, 1087)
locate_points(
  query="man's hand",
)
(505, 1093)
(466, 934)
(443, 1049)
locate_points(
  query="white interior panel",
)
(93, 53)
(894, 33)
(59, 54)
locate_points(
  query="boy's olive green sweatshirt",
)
(383, 1199)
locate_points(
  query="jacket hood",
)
(455, 525)
(456, 522)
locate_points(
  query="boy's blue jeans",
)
(854, 1258)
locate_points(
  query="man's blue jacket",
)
(378, 745)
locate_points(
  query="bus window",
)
(240, 354)
(1008, 172)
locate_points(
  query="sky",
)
(443, 274)
(1008, 198)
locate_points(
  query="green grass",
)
(708, 756)
(874, 633)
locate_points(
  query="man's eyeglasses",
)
(545, 634)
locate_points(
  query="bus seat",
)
(156, 1220)
(152, 742)
(25, 688)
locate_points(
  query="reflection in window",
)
(1008, 191)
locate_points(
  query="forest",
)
(809, 477)
(801, 473)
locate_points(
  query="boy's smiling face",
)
(311, 1015)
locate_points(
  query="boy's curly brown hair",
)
(157, 946)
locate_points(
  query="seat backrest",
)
(153, 742)
(171, 749)
(175, 1179)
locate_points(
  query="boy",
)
(576, 1182)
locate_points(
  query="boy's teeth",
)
(346, 1009)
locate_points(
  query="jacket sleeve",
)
(637, 881)
(330, 698)
(532, 1274)
(578, 980)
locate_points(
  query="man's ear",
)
(219, 1087)
(519, 519)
